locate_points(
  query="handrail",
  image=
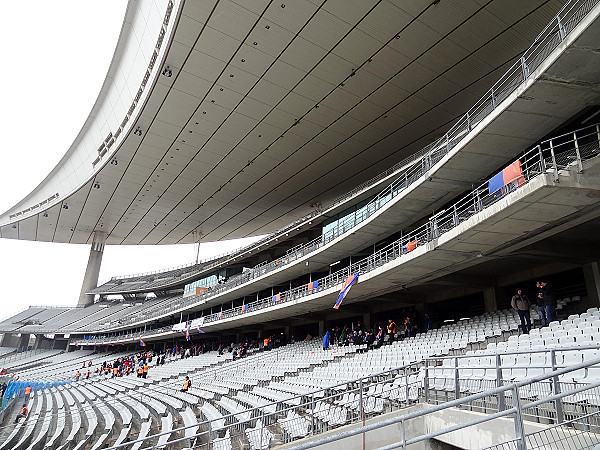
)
(536, 161)
(549, 39)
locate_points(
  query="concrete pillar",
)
(489, 299)
(591, 274)
(321, 327)
(90, 279)
(366, 321)
(260, 336)
(238, 337)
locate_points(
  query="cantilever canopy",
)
(268, 109)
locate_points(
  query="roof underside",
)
(274, 108)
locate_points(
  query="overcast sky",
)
(55, 57)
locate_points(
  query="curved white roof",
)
(265, 111)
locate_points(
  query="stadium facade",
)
(432, 156)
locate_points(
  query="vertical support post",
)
(499, 383)
(403, 435)
(577, 153)
(542, 162)
(361, 409)
(493, 99)
(556, 390)
(468, 121)
(209, 435)
(312, 416)
(262, 428)
(456, 381)
(426, 381)
(554, 165)
(524, 67)
(519, 428)
(561, 29)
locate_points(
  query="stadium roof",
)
(226, 119)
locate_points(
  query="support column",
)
(489, 299)
(321, 327)
(366, 321)
(90, 279)
(591, 274)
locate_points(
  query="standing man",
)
(391, 330)
(549, 301)
(521, 304)
(22, 414)
(540, 305)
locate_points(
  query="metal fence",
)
(554, 156)
(568, 410)
(413, 167)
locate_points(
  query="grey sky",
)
(56, 55)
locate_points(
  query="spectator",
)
(391, 330)
(77, 375)
(326, 341)
(27, 393)
(540, 305)
(22, 414)
(186, 384)
(407, 326)
(549, 301)
(428, 323)
(87, 374)
(140, 372)
(145, 370)
(521, 304)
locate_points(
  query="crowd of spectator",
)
(544, 301)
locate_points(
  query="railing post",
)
(426, 381)
(402, 435)
(524, 67)
(577, 153)
(208, 445)
(519, 428)
(361, 409)
(493, 99)
(468, 121)
(456, 379)
(556, 390)
(499, 383)
(312, 416)
(262, 429)
(561, 29)
(542, 162)
(554, 162)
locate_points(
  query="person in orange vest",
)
(186, 384)
(90, 363)
(115, 372)
(145, 370)
(87, 375)
(77, 375)
(22, 414)
(140, 371)
(265, 343)
(27, 393)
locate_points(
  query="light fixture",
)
(96, 186)
(45, 214)
(138, 131)
(65, 206)
(114, 162)
(167, 72)
(14, 226)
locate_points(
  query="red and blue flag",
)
(350, 281)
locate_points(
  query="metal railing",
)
(352, 402)
(559, 154)
(548, 40)
(583, 144)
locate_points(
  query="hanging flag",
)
(410, 246)
(199, 330)
(187, 333)
(220, 314)
(244, 308)
(345, 289)
(277, 298)
(76, 344)
(142, 343)
(511, 173)
(313, 285)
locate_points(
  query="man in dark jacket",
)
(539, 300)
(521, 304)
(545, 293)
